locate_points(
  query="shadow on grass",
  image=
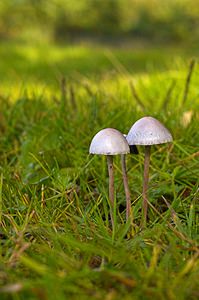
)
(47, 63)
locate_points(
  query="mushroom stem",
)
(126, 186)
(111, 185)
(145, 182)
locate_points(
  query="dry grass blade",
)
(11, 288)
(186, 118)
(188, 80)
(63, 88)
(72, 98)
(177, 233)
(189, 265)
(168, 96)
(136, 96)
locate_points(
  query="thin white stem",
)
(126, 186)
(111, 185)
(145, 183)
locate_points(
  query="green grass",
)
(40, 66)
(56, 238)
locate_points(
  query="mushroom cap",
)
(133, 148)
(109, 141)
(148, 131)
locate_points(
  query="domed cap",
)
(109, 141)
(133, 148)
(148, 131)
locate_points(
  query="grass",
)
(56, 241)
(40, 66)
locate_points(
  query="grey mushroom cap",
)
(109, 141)
(133, 148)
(148, 131)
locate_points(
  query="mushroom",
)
(147, 131)
(109, 142)
(134, 150)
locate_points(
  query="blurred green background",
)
(42, 41)
(66, 20)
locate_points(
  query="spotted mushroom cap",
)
(148, 131)
(109, 141)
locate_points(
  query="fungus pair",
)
(146, 131)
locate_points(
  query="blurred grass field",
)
(42, 66)
(56, 241)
